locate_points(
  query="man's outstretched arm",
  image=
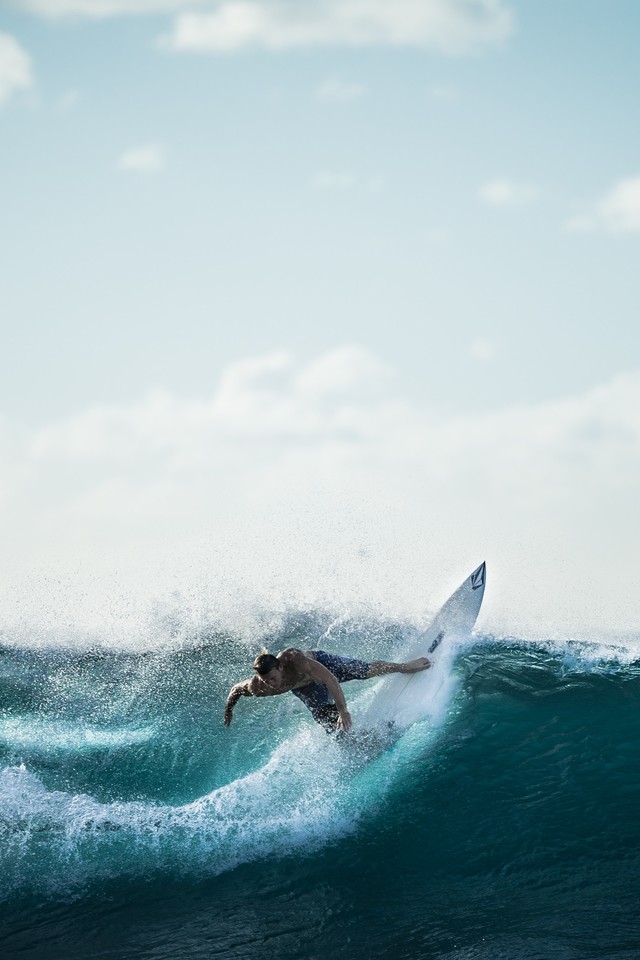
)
(242, 689)
(254, 687)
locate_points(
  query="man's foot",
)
(414, 666)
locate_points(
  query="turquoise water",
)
(134, 824)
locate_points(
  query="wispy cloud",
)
(292, 453)
(146, 159)
(16, 72)
(508, 193)
(482, 350)
(617, 212)
(451, 26)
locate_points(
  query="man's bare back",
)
(294, 672)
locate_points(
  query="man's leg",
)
(377, 668)
(347, 668)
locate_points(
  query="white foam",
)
(310, 792)
(585, 652)
(37, 734)
(296, 800)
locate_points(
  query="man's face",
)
(273, 678)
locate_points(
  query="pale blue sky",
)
(115, 281)
(433, 256)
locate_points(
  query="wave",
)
(294, 803)
(118, 765)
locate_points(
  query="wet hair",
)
(265, 662)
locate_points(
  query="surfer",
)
(314, 677)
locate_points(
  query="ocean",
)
(133, 824)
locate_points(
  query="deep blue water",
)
(133, 824)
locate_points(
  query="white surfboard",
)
(401, 699)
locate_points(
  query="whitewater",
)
(132, 822)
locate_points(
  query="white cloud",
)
(619, 210)
(347, 371)
(289, 467)
(451, 26)
(275, 398)
(338, 91)
(16, 72)
(507, 193)
(262, 398)
(482, 350)
(145, 159)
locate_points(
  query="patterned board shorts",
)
(315, 695)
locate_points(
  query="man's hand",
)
(344, 721)
(415, 666)
(228, 714)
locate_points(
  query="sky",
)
(322, 301)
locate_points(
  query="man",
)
(314, 677)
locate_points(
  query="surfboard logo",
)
(436, 643)
(477, 577)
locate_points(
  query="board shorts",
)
(316, 696)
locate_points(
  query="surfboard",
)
(401, 699)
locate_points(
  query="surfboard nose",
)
(479, 576)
